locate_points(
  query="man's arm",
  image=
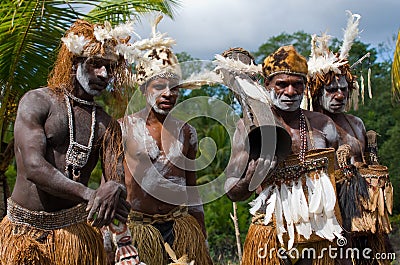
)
(31, 142)
(237, 181)
(111, 202)
(243, 177)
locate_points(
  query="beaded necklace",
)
(303, 137)
(77, 154)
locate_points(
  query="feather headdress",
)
(324, 65)
(157, 56)
(350, 34)
(103, 41)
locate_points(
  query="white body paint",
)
(279, 101)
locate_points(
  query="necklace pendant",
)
(76, 174)
(77, 155)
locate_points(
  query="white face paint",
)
(93, 72)
(334, 96)
(155, 91)
(82, 75)
(151, 100)
(284, 102)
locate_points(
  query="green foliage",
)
(220, 228)
(11, 175)
(300, 40)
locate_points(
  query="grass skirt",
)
(189, 240)
(261, 248)
(78, 244)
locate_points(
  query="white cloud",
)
(206, 27)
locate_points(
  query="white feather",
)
(252, 90)
(351, 32)
(285, 197)
(280, 227)
(270, 208)
(304, 229)
(329, 194)
(303, 206)
(290, 227)
(287, 212)
(197, 80)
(335, 227)
(369, 83)
(327, 227)
(314, 195)
(236, 65)
(318, 223)
(259, 201)
(295, 202)
(362, 88)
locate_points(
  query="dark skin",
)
(287, 91)
(351, 129)
(161, 96)
(41, 142)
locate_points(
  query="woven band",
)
(143, 218)
(294, 172)
(46, 220)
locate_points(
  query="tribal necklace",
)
(77, 154)
(303, 137)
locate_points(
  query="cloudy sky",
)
(203, 28)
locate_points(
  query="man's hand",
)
(106, 203)
(258, 170)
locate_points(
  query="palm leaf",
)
(396, 70)
(30, 32)
(123, 10)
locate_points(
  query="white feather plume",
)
(75, 43)
(286, 197)
(286, 203)
(304, 229)
(295, 202)
(259, 201)
(351, 32)
(253, 90)
(302, 202)
(197, 80)
(236, 65)
(369, 83)
(362, 89)
(329, 195)
(270, 208)
(314, 195)
(157, 39)
(280, 226)
(322, 60)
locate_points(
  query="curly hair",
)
(315, 85)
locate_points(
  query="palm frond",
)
(30, 32)
(123, 10)
(396, 70)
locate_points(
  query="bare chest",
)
(59, 128)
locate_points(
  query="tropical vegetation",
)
(29, 37)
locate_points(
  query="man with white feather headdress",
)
(159, 154)
(363, 185)
(61, 133)
(282, 215)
